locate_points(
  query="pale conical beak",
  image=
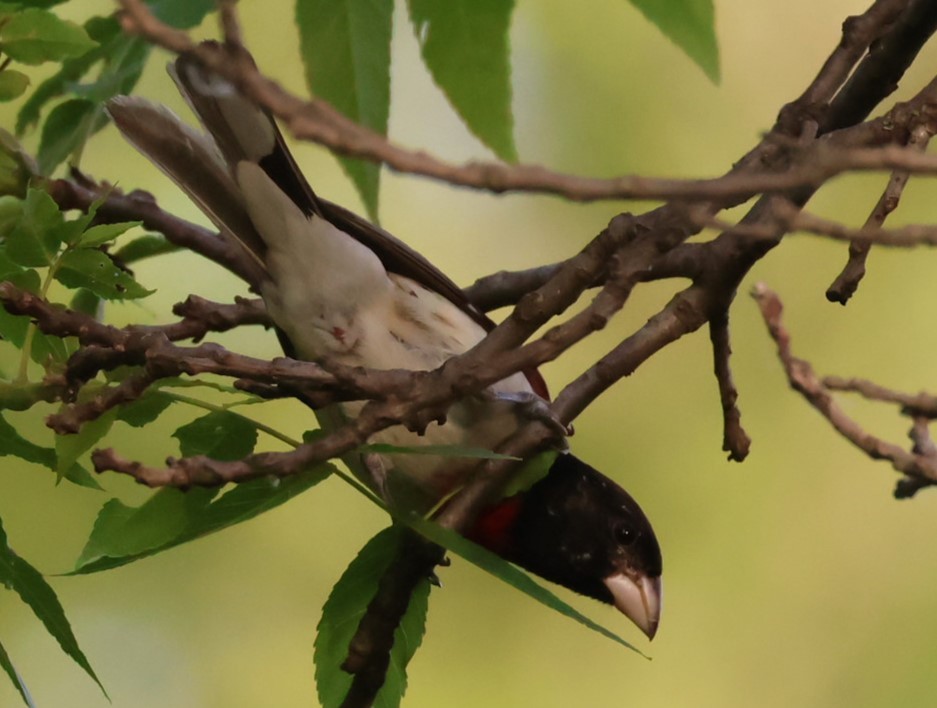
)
(638, 598)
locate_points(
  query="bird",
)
(339, 288)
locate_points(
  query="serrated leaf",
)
(7, 665)
(343, 611)
(34, 239)
(28, 583)
(106, 548)
(104, 233)
(123, 531)
(76, 474)
(13, 84)
(14, 444)
(68, 448)
(690, 24)
(465, 45)
(34, 36)
(345, 48)
(121, 72)
(95, 270)
(100, 29)
(67, 128)
(145, 409)
(72, 229)
(123, 56)
(220, 435)
(510, 574)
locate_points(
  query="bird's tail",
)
(205, 166)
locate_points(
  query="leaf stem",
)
(216, 408)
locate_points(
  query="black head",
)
(578, 528)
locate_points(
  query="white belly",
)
(334, 300)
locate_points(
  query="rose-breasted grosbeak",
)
(339, 288)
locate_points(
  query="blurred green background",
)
(793, 579)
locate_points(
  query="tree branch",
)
(848, 280)
(920, 464)
(317, 121)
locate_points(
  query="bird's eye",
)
(625, 535)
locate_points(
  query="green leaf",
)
(345, 47)
(7, 665)
(108, 547)
(29, 584)
(34, 240)
(343, 611)
(13, 84)
(12, 443)
(17, 167)
(13, 328)
(145, 409)
(125, 531)
(182, 14)
(47, 347)
(510, 574)
(11, 211)
(104, 233)
(690, 24)
(95, 270)
(86, 302)
(68, 448)
(145, 247)
(76, 474)
(53, 87)
(220, 435)
(34, 36)
(22, 396)
(66, 129)
(123, 57)
(465, 46)
(70, 232)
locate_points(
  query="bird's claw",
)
(531, 406)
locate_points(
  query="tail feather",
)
(191, 160)
(243, 130)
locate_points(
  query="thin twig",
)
(319, 122)
(846, 283)
(802, 378)
(923, 405)
(735, 440)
